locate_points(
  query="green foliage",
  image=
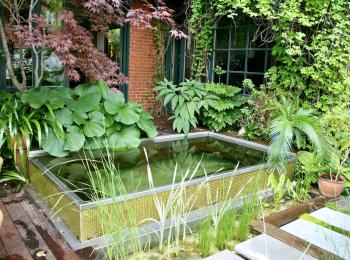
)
(205, 237)
(256, 117)
(185, 102)
(202, 22)
(64, 121)
(226, 229)
(225, 110)
(278, 187)
(249, 213)
(295, 123)
(311, 45)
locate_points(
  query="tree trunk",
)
(21, 86)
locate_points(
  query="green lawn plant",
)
(250, 211)
(226, 229)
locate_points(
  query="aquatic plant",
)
(250, 212)
(205, 237)
(226, 229)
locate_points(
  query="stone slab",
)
(343, 203)
(333, 217)
(265, 247)
(224, 255)
(322, 237)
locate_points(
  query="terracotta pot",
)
(1, 218)
(1, 162)
(331, 188)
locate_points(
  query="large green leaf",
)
(128, 113)
(36, 97)
(113, 101)
(147, 125)
(126, 138)
(58, 97)
(53, 145)
(75, 139)
(79, 117)
(64, 116)
(88, 98)
(94, 126)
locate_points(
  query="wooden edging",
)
(272, 223)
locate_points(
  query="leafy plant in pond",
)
(223, 111)
(278, 185)
(293, 123)
(185, 102)
(205, 237)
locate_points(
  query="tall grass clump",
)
(205, 237)
(226, 229)
(118, 221)
(250, 211)
(176, 208)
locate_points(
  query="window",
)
(239, 52)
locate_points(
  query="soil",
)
(332, 178)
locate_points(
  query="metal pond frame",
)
(85, 206)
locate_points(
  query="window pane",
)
(113, 44)
(16, 58)
(237, 61)
(221, 59)
(236, 79)
(239, 37)
(255, 40)
(256, 61)
(222, 38)
(53, 70)
(225, 22)
(257, 79)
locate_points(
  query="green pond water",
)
(214, 155)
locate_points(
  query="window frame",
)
(231, 29)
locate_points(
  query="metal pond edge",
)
(145, 233)
(83, 205)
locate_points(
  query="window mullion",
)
(246, 58)
(228, 56)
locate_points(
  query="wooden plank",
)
(10, 237)
(292, 240)
(3, 252)
(53, 238)
(33, 240)
(288, 215)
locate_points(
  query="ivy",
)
(311, 45)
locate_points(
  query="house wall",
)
(141, 65)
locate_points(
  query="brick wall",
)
(141, 65)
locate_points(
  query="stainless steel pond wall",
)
(82, 217)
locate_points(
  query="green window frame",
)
(237, 51)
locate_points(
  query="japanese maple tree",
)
(69, 36)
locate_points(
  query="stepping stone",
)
(333, 217)
(224, 255)
(266, 247)
(343, 204)
(325, 238)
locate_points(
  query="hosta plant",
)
(87, 117)
(185, 101)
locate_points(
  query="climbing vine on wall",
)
(312, 45)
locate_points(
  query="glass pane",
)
(237, 61)
(255, 39)
(236, 79)
(222, 38)
(257, 79)
(17, 55)
(53, 70)
(256, 61)
(225, 22)
(113, 44)
(221, 59)
(239, 37)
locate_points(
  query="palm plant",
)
(295, 125)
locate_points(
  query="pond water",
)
(214, 156)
